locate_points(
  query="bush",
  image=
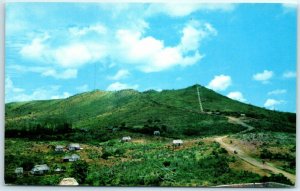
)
(79, 171)
(280, 178)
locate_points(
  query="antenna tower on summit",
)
(199, 99)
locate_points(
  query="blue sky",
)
(244, 51)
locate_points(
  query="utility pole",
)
(199, 99)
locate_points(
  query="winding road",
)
(242, 155)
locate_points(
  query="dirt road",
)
(247, 158)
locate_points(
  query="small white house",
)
(59, 148)
(72, 158)
(19, 171)
(243, 115)
(156, 133)
(74, 147)
(177, 142)
(40, 169)
(126, 139)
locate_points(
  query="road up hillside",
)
(242, 155)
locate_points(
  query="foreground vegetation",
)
(143, 162)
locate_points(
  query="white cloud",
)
(9, 86)
(220, 83)
(289, 74)
(193, 33)
(97, 28)
(46, 71)
(73, 54)
(79, 54)
(149, 54)
(236, 96)
(36, 48)
(13, 93)
(120, 86)
(185, 9)
(67, 74)
(264, 77)
(271, 103)
(277, 92)
(121, 74)
(126, 45)
(83, 88)
(51, 92)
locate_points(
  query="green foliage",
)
(79, 171)
(280, 178)
(172, 112)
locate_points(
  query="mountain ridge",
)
(173, 108)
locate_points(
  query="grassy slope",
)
(101, 109)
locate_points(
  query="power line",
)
(199, 99)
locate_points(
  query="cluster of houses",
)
(70, 147)
(44, 168)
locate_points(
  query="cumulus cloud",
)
(193, 33)
(128, 45)
(271, 103)
(277, 92)
(78, 54)
(120, 86)
(220, 83)
(289, 74)
(151, 55)
(263, 77)
(66, 74)
(121, 74)
(236, 95)
(10, 87)
(13, 93)
(46, 71)
(36, 48)
(81, 31)
(185, 9)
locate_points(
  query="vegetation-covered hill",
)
(174, 112)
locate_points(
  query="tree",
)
(80, 171)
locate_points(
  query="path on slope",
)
(247, 158)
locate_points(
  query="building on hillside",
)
(156, 133)
(68, 182)
(126, 139)
(72, 158)
(243, 115)
(59, 148)
(19, 171)
(177, 143)
(40, 169)
(58, 170)
(74, 147)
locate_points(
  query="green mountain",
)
(174, 112)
